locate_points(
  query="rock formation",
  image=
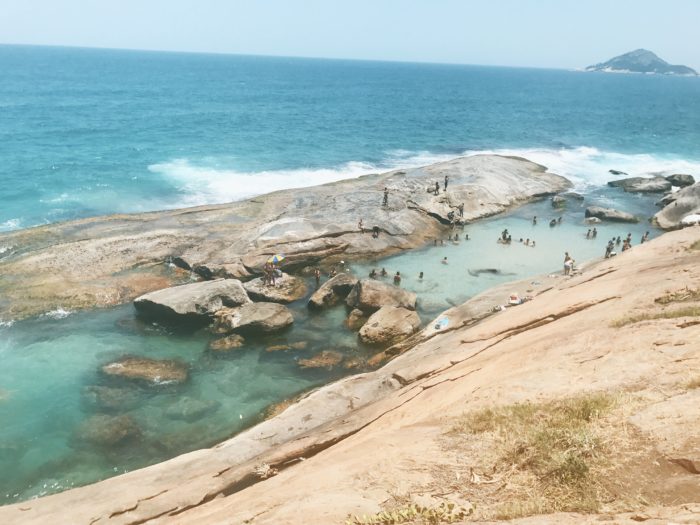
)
(370, 295)
(681, 180)
(150, 371)
(195, 300)
(254, 318)
(609, 214)
(642, 184)
(333, 291)
(682, 203)
(389, 325)
(124, 256)
(286, 289)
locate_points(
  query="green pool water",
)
(51, 363)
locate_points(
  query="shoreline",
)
(109, 260)
(335, 413)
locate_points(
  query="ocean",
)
(86, 132)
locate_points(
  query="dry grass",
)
(695, 245)
(688, 311)
(548, 455)
(679, 296)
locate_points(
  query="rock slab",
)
(333, 291)
(610, 214)
(681, 180)
(389, 325)
(685, 202)
(151, 371)
(370, 295)
(642, 184)
(254, 318)
(286, 289)
(194, 300)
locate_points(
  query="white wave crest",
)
(6, 324)
(58, 313)
(10, 224)
(586, 167)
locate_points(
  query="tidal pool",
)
(50, 364)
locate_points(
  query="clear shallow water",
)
(86, 132)
(50, 363)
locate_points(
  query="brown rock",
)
(356, 319)
(286, 289)
(389, 325)
(152, 371)
(254, 318)
(224, 344)
(370, 295)
(277, 348)
(333, 291)
(326, 359)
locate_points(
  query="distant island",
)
(641, 61)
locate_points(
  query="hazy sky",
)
(538, 33)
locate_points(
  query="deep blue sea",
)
(86, 132)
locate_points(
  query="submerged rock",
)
(356, 319)
(686, 202)
(326, 359)
(254, 318)
(642, 184)
(558, 201)
(190, 409)
(610, 214)
(370, 295)
(286, 289)
(225, 344)
(389, 325)
(617, 172)
(111, 398)
(103, 430)
(194, 300)
(681, 180)
(151, 371)
(333, 291)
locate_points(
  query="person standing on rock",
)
(317, 275)
(361, 226)
(385, 202)
(437, 188)
(461, 210)
(447, 179)
(568, 263)
(534, 220)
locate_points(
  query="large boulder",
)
(389, 325)
(369, 295)
(642, 184)
(333, 290)
(610, 214)
(107, 431)
(287, 288)
(149, 371)
(254, 318)
(686, 202)
(356, 318)
(194, 301)
(681, 180)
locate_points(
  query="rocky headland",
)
(105, 261)
(578, 406)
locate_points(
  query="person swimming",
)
(444, 260)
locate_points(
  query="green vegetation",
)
(556, 447)
(443, 513)
(688, 311)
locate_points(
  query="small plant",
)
(688, 311)
(684, 295)
(446, 512)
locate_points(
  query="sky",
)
(529, 33)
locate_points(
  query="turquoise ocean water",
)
(86, 132)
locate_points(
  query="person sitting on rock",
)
(397, 278)
(375, 231)
(385, 201)
(333, 273)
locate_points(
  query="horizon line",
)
(258, 55)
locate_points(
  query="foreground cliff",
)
(104, 261)
(585, 399)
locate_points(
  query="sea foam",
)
(586, 167)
